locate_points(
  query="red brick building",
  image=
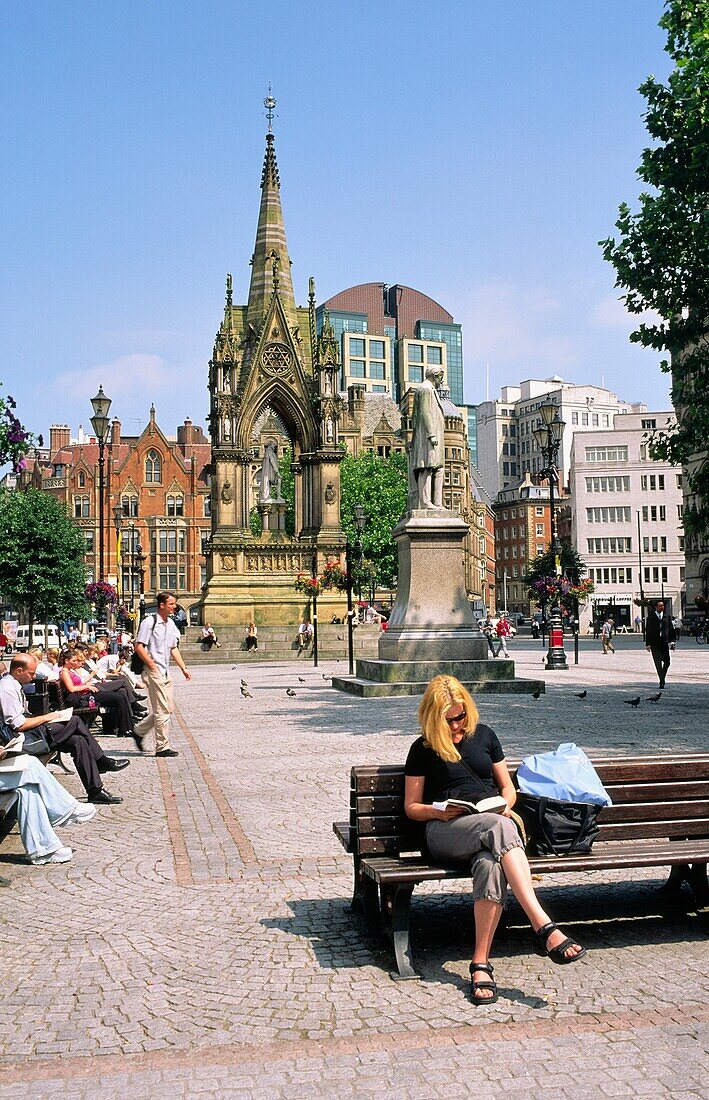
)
(522, 530)
(162, 485)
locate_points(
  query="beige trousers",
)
(159, 689)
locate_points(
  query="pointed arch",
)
(288, 405)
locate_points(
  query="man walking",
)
(158, 640)
(660, 636)
(607, 635)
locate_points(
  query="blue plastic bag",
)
(566, 775)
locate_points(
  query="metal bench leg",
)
(697, 878)
(678, 873)
(396, 906)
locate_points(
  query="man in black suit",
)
(660, 637)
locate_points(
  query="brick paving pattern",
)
(199, 943)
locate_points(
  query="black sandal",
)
(482, 985)
(556, 954)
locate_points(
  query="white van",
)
(41, 635)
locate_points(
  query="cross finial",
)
(270, 104)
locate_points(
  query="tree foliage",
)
(661, 257)
(572, 565)
(41, 557)
(381, 486)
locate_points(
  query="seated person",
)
(305, 634)
(457, 756)
(42, 804)
(108, 679)
(48, 667)
(251, 636)
(72, 736)
(209, 638)
(112, 696)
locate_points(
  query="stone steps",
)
(278, 643)
(377, 678)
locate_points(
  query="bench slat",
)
(658, 792)
(654, 811)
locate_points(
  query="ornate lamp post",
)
(141, 559)
(132, 568)
(99, 422)
(548, 438)
(117, 521)
(359, 519)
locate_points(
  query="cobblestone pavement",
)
(199, 945)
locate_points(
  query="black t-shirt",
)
(444, 780)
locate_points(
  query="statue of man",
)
(269, 475)
(427, 455)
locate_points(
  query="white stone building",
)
(626, 518)
(505, 443)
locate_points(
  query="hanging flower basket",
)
(310, 586)
(101, 593)
(334, 577)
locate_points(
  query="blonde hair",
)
(442, 693)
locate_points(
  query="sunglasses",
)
(457, 718)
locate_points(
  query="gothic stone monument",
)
(269, 368)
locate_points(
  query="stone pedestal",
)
(432, 617)
(432, 630)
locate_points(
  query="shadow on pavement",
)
(603, 916)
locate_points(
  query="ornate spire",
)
(270, 240)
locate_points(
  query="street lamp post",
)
(359, 527)
(315, 608)
(132, 568)
(99, 422)
(548, 438)
(117, 521)
(140, 558)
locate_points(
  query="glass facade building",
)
(451, 335)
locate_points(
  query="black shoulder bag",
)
(137, 664)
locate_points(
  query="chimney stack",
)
(59, 437)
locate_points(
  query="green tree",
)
(41, 557)
(661, 257)
(572, 565)
(381, 486)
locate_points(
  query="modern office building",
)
(505, 444)
(389, 335)
(627, 519)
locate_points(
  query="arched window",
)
(175, 505)
(129, 505)
(81, 507)
(82, 479)
(153, 467)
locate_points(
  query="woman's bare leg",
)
(516, 867)
(487, 917)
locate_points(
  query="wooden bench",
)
(659, 818)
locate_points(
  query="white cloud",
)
(136, 375)
(610, 312)
(505, 324)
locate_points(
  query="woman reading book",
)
(459, 757)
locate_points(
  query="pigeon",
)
(633, 702)
(580, 694)
(234, 668)
(289, 691)
(244, 684)
(654, 698)
(536, 694)
(339, 637)
(301, 679)
(326, 677)
(245, 692)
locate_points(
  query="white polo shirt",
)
(159, 638)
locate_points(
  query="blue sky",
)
(474, 149)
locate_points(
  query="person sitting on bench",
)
(72, 736)
(42, 804)
(251, 637)
(459, 757)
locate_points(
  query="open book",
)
(16, 744)
(493, 805)
(60, 716)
